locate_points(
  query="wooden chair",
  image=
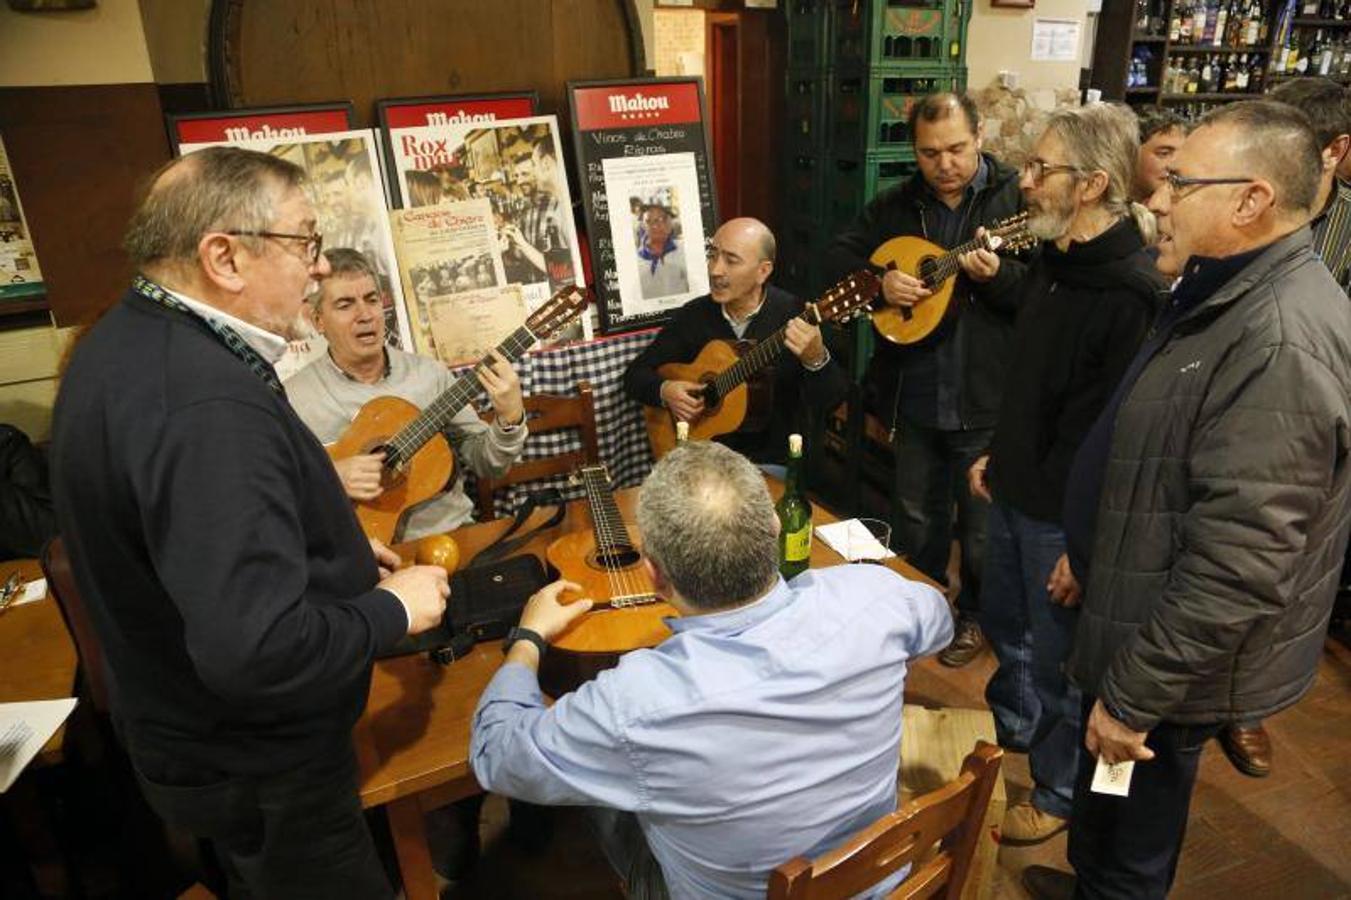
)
(952, 814)
(88, 647)
(545, 413)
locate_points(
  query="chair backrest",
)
(950, 816)
(61, 582)
(545, 413)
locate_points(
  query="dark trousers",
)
(931, 469)
(622, 840)
(296, 835)
(1035, 707)
(1126, 848)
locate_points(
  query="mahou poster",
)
(436, 112)
(646, 172)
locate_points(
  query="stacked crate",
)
(855, 70)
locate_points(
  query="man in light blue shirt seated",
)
(766, 727)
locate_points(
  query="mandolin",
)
(418, 460)
(606, 563)
(936, 267)
(734, 399)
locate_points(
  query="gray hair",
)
(344, 261)
(1105, 137)
(708, 524)
(215, 189)
(1277, 142)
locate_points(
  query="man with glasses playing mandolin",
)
(1087, 302)
(940, 397)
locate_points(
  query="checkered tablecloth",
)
(619, 420)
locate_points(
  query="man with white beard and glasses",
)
(1087, 302)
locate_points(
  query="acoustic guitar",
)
(605, 561)
(937, 267)
(418, 460)
(734, 398)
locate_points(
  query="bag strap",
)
(501, 547)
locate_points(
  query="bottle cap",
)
(795, 444)
(682, 431)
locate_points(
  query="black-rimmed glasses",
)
(1177, 182)
(1038, 169)
(314, 243)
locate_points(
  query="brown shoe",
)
(1249, 749)
(967, 642)
(1025, 825)
(1045, 883)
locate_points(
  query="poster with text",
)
(343, 182)
(659, 228)
(644, 164)
(515, 165)
(20, 277)
(457, 109)
(446, 251)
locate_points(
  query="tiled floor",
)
(1287, 836)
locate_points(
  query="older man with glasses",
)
(1211, 500)
(238, 604)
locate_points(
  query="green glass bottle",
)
(795, 516)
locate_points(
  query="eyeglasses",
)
(1038, 169)
(1177, 182)
(314, 243)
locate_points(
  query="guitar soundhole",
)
(619, 557)
(926, 271)
(391, 471)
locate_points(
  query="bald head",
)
(750, 231)
(1272, 141)
(739, 263)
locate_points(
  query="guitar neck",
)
(611, 533)
(945, 266)
(436, 417)
(758, 357)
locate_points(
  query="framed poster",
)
(20, 277)
(345, 186)
(645, 166)
(515, 165)
(271, 123)
(431, 112)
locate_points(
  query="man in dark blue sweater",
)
(239, 606)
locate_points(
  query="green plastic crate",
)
(884, 33)
(808, 33)
(871, 111)
(805, 111)
(853, 181)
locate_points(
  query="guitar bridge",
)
(628, 600)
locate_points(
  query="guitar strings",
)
(600, 527)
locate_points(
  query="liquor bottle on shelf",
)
(1220, 26)
(1244, 75)
(557, 259)
(1309, 9)
(1169, 74)
(1193, 77)
(1257, 75)
(1141, 17)
(1254, 23)
(1210, 15)
(1175, 24)
(1184, 25)
(795, 516)
(1157, 25)
(1205, 84)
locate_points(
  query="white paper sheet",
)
(24, 728)
(851, 539)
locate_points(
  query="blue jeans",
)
(1035, 706)
(931, 469)
(1127, 848)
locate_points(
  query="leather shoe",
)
(1025, 825)
(967, 642)
(1249, 749)
(1045, 883)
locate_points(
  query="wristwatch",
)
(517, 633)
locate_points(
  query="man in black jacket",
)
(941, 398)
(238, 604)
(742, 305)
(1087, 302)
(1210, 502)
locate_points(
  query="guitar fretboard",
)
(611, 533)
(434, 419)
(759, 356)
(941, 268)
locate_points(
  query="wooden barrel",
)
(279, 52)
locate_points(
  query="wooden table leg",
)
(410, 845)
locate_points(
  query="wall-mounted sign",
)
(271, 123)
(645, 169)
(20, 277)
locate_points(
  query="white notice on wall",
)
(1055, 40)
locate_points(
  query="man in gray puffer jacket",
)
(1210, 504)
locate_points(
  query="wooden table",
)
(39, 655)
(413, 741)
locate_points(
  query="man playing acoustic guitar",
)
(941, 397)
(359, 367)
(742, 305)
